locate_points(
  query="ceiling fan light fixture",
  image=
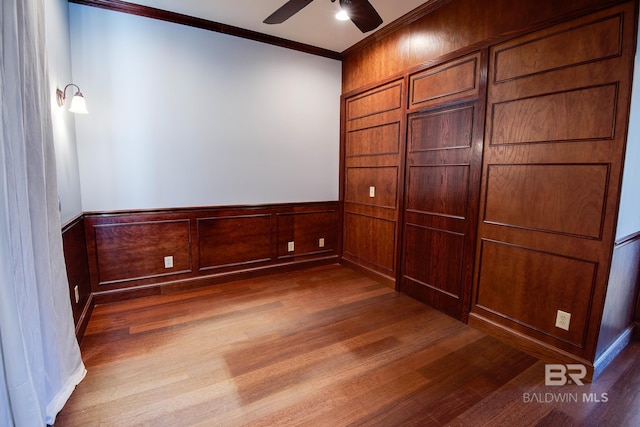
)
(342, 15)
(360, 12)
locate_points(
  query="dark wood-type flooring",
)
(324, 346)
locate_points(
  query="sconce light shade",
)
(78, 104)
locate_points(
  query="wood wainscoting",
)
(140, 253)
(77, 264)
(620, 315)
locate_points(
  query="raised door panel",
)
(554, 144)
(443, 163)
(442, 129)
(455, 80)
(433, 258)
(438, 190)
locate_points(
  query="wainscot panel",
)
(616, 328)
(75, 256)
(147, 252)
(234, 241)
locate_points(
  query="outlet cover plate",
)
(168, 262)
(563, 320)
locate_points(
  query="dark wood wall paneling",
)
(450, 28)
(127, 251)
(553, 143)
(372, 164)
(554, 147)
(443, 166)
(620, 315)
(75, 255)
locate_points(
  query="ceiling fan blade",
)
(286, 11)
(362, 13)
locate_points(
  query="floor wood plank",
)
(325, 346)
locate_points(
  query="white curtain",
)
(40, 358)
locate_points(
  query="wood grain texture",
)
(324, 346)
(554, 147)
(542, 197)
(370, 241)
(592, 41)
(127, 249)
(442, 183)
(433, 258)
(578, 115)
(372, 148)
(456, 79)
(137, 250)
(379, 100)
(306, 229)
(457, 27)
(376, 140)
(441, 129)
(513, 279)
(383, 179)
(555, 130)
(77, 266)
(438, 190)
(622, 293)
(234, 240)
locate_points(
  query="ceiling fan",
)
(361, 13)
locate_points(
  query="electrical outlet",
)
(321, 242)
(168, 262)
(76, 292)
(563, 319)
(290, 247)
(372, 191)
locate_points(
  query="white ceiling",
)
(314, 25)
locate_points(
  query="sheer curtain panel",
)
(40, 358)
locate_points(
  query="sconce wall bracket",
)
(61, 94)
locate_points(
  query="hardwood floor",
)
(325, 346)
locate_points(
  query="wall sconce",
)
(78, 105)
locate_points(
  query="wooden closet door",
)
(443, 165)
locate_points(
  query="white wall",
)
(629, 214)
(181, 116)
(59, 63)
